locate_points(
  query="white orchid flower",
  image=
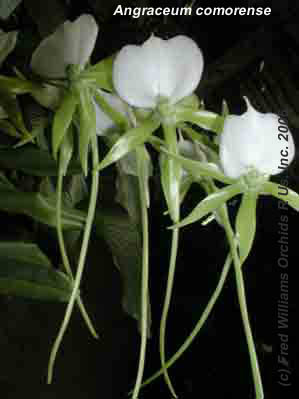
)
(71, 44)
(254, 141)
(171, 69)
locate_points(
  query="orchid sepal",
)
(131, 140)
(282, 193)
(211, 203)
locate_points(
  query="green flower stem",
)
(144, 278)
(63, 252)
(199, 324)
(259, 394)
(174, 198)
(83, 252)
(222, 212)
(170, 281)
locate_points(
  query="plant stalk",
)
(144, 276)
(82, 257)
(64, 256)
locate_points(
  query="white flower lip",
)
(71, 43)
(252, 140)
(158, 68)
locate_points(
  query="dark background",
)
(217, 364)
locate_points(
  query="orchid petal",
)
(135, 76)
(158, 68)
(71, 43)
(181, 67)
(239, 145)
(277, 145)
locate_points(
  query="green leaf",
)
(100, 74)
(204, 119)
(5, 183)
(127, 185)
(47, 188)
(211, 203)
(185, 185)
(75, 190)
(38, 207)
(225, 113)
(130, 141)
(282, 193)
(66, 150)
(11, 106)
(123, 238)
(87, 126)
(3, 114)
(25, 271)
(7, 43)
(143, 166)
(127, 195)
(33, 161)
(200, 169)
(246, 223)
(7, 7)
(171, 173)
(63, 119)
(48, 96)
(9, 129)
(165, 181)
(16, 85)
